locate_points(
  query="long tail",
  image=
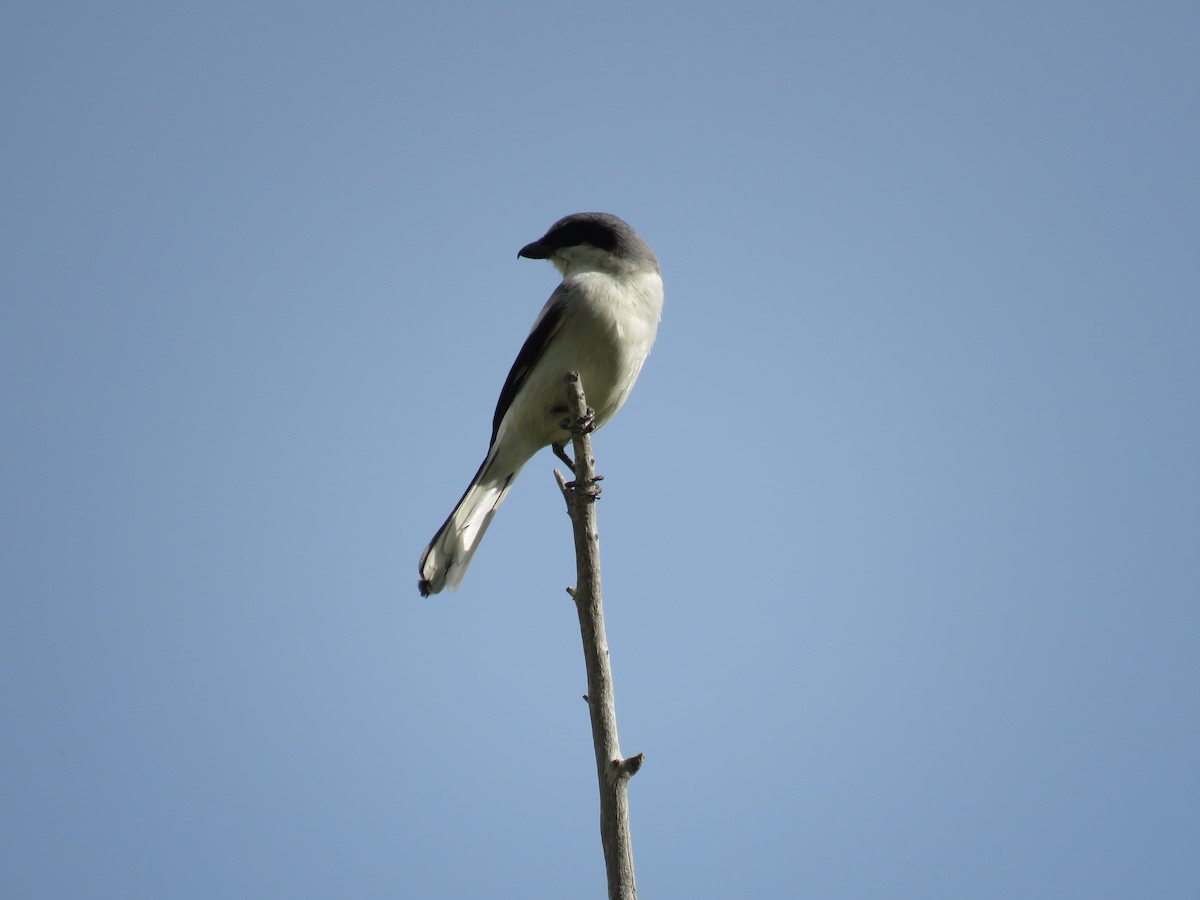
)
(445, 560)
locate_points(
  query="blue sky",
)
(900, 527)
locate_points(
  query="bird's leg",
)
(561, 452)
(560, 447)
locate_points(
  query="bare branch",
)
(613, 771)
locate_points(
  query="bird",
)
(601, 322)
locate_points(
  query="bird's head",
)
(592, 241)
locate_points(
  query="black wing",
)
(543, 332)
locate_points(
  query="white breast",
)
(606, 334)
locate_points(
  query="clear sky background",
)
(901, 531)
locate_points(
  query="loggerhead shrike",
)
(600, 322)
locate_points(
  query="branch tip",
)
(633, 764)
(628, 767)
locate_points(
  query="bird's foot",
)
(588, 488)
(586, 424)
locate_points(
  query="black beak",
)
(536, 250)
